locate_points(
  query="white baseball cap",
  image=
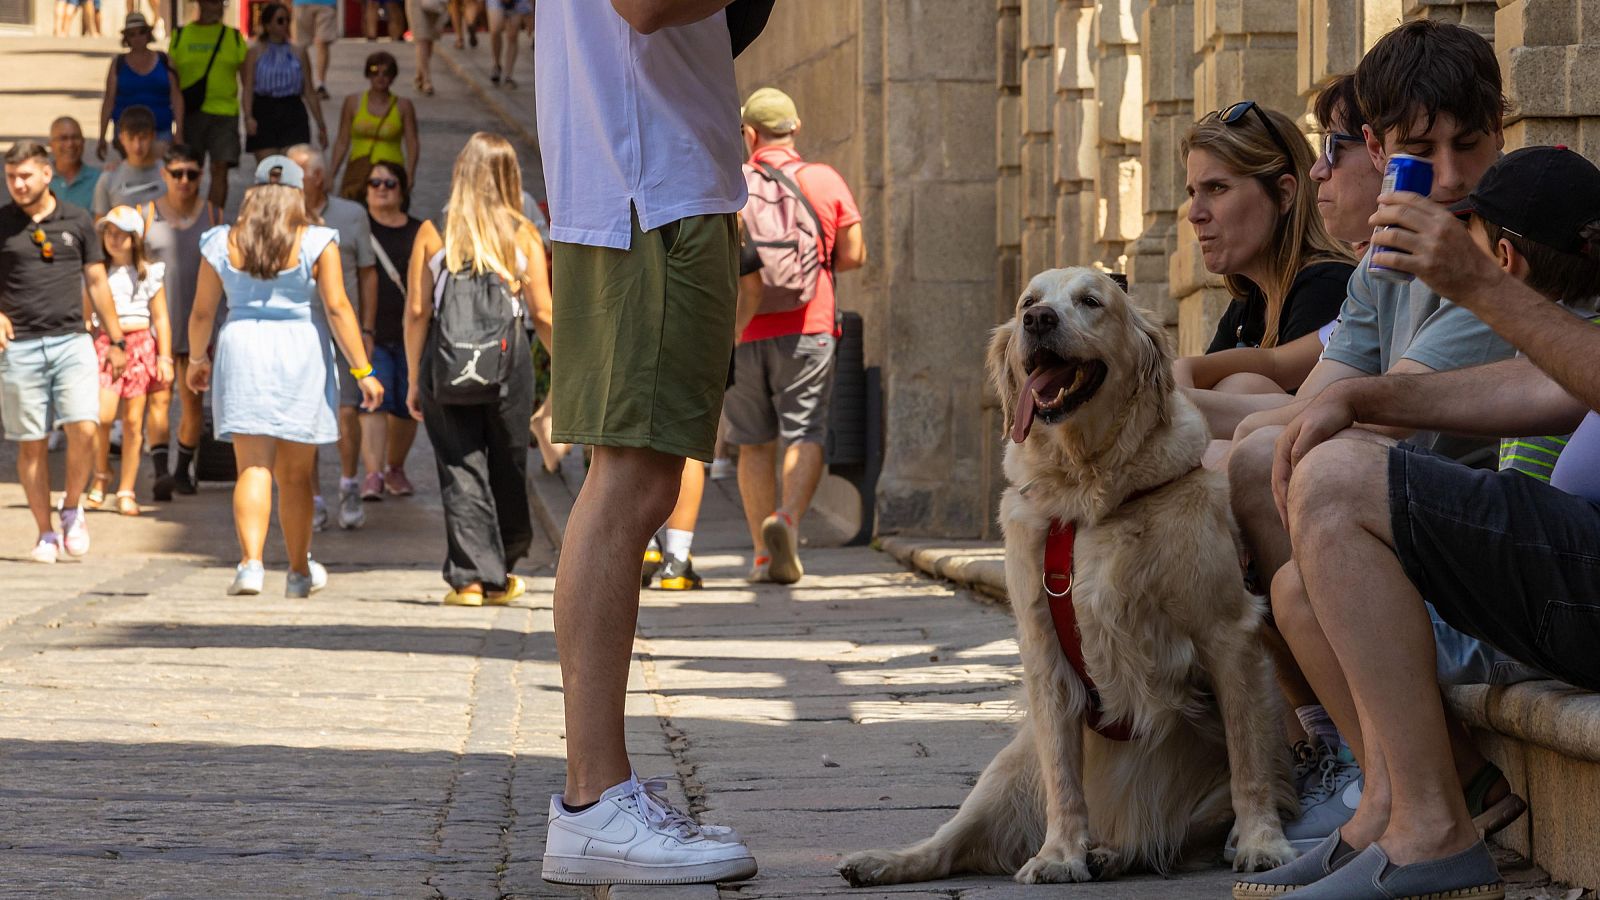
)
(126, 218)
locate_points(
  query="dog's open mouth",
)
(1054, 389)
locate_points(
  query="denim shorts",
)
(1502, 558)
(41, 374)
(389, 367)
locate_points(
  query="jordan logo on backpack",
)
(476, 332)
(469, 372)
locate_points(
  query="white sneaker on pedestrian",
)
(635, 836)
(319, 514)
(247, 579)
(74, 533)
(352, 514)
(47, 550)
(723, 468)
(299, 587)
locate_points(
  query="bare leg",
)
(424, 63)
(623, 501)
(80, 456)
(252, 493)
(193, 423)
(321, 62)
(369, 20)
(373, 438)
(33, 471)
(102, 439)
(758, 488)
(158, 416)
(402, 434)
(1377, 627)
(397, 21)
(219, 184)
(132, 441)
(1248, 383)
(802, 472)
(295, 467)
(686, 514)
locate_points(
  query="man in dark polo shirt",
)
(48, 252)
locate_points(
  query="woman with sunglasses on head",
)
(388, 432)
(275, 387)
(277, 92)
(375, 126)
(141, 77)
(173, 226)
(1253, 208)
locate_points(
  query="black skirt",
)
(280, 122)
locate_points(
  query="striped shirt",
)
(1536, 456)
(278, 71)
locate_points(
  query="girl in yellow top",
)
(375, 126)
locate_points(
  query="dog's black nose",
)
(1040, 320)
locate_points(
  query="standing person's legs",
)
(158, 427)
(424, 31)
(397, 20)
(33, 473)
(255, 456)
(369, 20)
(495, 10)
(190, 428)
(474, 554)
(132, 440)
(402, 433)
(101, 477)
(374, 441)
(350, 513)
(295, 467)
(217, 138)
(508, 467)
(73, 370)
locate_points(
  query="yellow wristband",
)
(362, 372)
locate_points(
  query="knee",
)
(1291, 607)
(1250, 468)
(1336, 487)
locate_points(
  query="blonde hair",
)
(271, 217)
(1300, 238)
(136, 252)
(485, 210)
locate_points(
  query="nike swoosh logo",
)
(620, 830)
(1352, 794)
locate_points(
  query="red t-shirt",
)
(830, 197)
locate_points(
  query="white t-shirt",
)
(133, 294)
(634, 122)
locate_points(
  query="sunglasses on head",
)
(1330, 145)
(1233, 115)
(387, 184)
(184, 174)
(47, 250)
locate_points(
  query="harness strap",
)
(1058, 547)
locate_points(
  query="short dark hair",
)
(1433, 68)
(1336, 106)
(399, 173)
(1560, 276)
(183, 153)
(25, 151)
(137, 120)
(382, 58)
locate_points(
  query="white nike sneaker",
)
(635, 836)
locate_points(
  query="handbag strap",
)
(387, 263)
(222, 33)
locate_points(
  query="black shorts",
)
(1503, 557)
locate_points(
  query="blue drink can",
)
(1404, 173)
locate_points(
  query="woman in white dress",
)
(275, 388)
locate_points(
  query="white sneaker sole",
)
(583, 870)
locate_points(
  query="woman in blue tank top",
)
(141, 77)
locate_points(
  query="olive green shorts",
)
(642, 337)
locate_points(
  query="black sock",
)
(158, 459)
(576, 809)
(185, 458)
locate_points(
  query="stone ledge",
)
(1551, 714)
(979, 565)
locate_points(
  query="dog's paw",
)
(870, 867)
(1104, 862)
(1263, 851)
(1056, 868)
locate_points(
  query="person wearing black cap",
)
(1501, 556)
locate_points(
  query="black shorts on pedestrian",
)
(215, 137)
(1503, 557)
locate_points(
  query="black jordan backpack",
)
(476, 328)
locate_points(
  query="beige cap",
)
(126, 218)
(771, 110)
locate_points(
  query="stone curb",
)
(978, 565)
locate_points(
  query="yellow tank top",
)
(374, 138)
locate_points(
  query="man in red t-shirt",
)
(783, 365)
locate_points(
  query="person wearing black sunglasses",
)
(1347, 181)
(1253, 209)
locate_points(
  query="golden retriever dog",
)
(1096, 435)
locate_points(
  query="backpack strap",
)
(778, 175)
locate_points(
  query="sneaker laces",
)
(1329, 774)
(649, 796)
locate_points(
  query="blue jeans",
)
(40, 373)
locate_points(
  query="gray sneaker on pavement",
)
(299, 587)
(1328, 798)
(1316, 864)
(1468, 875)
(352, 514)
(319, 515)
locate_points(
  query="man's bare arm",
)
(648, 16)
(1510, 398)
(849, 249)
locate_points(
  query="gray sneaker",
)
(1317, 864)
(1468, 875)
(299, 587)
(1328, 798)
(247, 579)
(319, 514)
(352, 514)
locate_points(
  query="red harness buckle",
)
(1058, 589)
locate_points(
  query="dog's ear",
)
(1000, 374)
(1154, 353)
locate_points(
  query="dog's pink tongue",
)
(1023, 420)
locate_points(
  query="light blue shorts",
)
(39, 374)
(1463, 659)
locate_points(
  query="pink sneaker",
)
(372, 487)
(396, 482)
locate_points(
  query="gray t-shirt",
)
(1383, 322)
(349, 218)
(179, 249)
(128, 185)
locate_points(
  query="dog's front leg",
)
(1055, 707)
(1243, 684)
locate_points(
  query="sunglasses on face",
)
(1331, 142)
(1236, 113)
(47, 250)
(184, 174)
(387, 184)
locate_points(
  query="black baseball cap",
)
(1545, 194)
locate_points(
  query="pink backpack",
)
(787, 234)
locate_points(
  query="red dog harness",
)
(1058, 587)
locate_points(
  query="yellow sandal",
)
(515, 587)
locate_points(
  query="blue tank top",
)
(152, 90)
(278, 71)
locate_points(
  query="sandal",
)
(1489, 818)
(127, 503)
(424, 86)
(95, 497)
(494, 77)
(515, 587)
(463, 598)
